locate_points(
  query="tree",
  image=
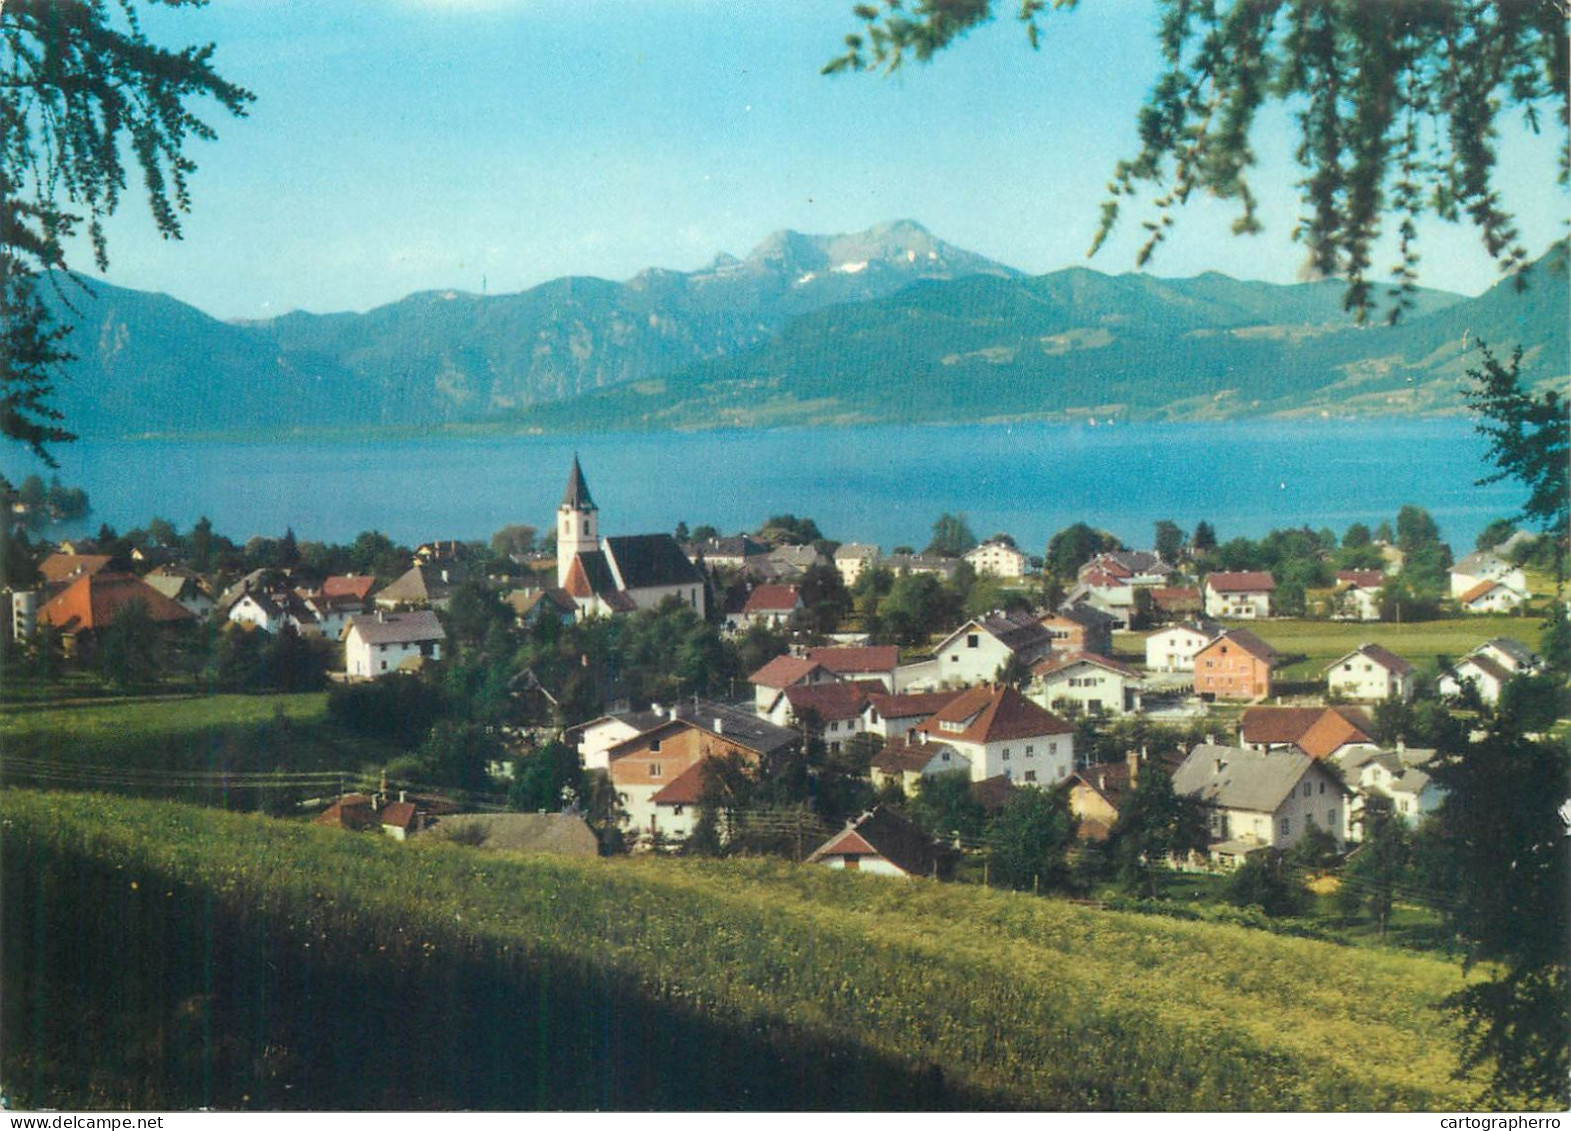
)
(1029, 840)
(515, 538)
(945, 806)
(1153, 823)
(1529, 441)
(1495, 533)
(1395, 107)
(1357, 537)
(1075, 545)
(540, 776)
(1378, 868)
(1504, 875)
(78, 94)
(787, 529)
(952, 536)
(1203, 541)
(1168, 540)
(1267, 881)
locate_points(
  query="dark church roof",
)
(576, 496)
(647, 561)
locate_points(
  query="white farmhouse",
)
(1173, 649)
(1485, 565)
(1001, 732)
(1095, 684)
(1244, 594)
(1257, 800)
(853, 559)
(1371, 673)
(385, 642)
(976, 650)
(999, 558)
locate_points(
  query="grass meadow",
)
(163, 955)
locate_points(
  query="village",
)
(1143, 666)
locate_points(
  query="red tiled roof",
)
(1382, 656)
(912, 704)
(399, 814)
(1244, 581)
(996, 715)
(1479, 590)
(1069, 659)
(684, 789)
(782, 671)
(57, 568)
(877, 658)
(1363, 578)
(96, 601)
(848, 843)
(905, 757)
(349, 585)
(1101, 579)
(771, 599)
(832, 702)
(1168, 595)
(1317, 731)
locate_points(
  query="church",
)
(618, 575)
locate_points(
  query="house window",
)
(834, 726)
(972, 640)
(676, 811)
(1052, 748)
(654, 769)
(944, 756)
(654, 746)
(1030, 750)
(851, 863)
(1285, 826)
(1006, 753)
(1308, 788)
(1060, 771)
(1030, 775)
(1322, 787)
(1331, 818)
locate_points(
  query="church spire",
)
(576, 497)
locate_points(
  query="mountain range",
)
(891, 324)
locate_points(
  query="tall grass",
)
(312, 968)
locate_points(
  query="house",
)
(787, 562)
(422, 586)
(531, 606)
(1492, 597)
(876, 661)
(59, 570)
(853, 559)
(1097, 792)
(643, 766)
(1137, 568)
(375, 644)
(999, 731)
(1489, 667)
(775, 606)
(622, 574)
(1173, 649)
(998, 558)
(400, 819)
(273, 612)
(886, 844)
(353, 812)
(1371, 673)
(1357, 594)
(908, 763)
(184, 587)
(1319, 732)
(835, 709)
(1173, 601)
(1255, 799)
(896, 717)
(1396, 777)
(1236, 664)
(1079, 628)
(1106, 593)
(935, 564)
(980, 648)
(94, 601)
(1094, 685)
(736, 552)
(355, 585)
(597, 736)
(1485, 565)
(449, 551)
(783, 672)
(331, 614)
(1245, 594)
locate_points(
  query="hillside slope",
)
(329, 962)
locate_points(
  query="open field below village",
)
(1322, 641)
(167, 956)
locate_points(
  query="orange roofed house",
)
(1000, 732)
(93, 602)
(1236, 665)
(1320, 732)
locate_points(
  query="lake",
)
(884, 484)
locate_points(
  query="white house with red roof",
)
(884, 843)
(1001, 732)
(1241, 594)
(1492, 597)
(1093, 684)
(1371, 673)
(1357, 594)
(834, 710)
(775, 606)
(896, 717)
(783, 672)
(1174, 648)
(878, 661)
(1482, 566)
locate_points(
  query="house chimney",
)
(1218, 768)
(403, 795)
(1101, 782)
(719, 725)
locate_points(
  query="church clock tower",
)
(576, 525)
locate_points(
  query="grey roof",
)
(420, 583)
(1524, 656)
(646, 561)
(1380, 655)
(1246, 779)
(848, 550)
(397, 628)
(1480, 561)
(740, 726)
(576, 497)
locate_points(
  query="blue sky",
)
(406, 145)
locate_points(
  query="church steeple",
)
(576, 525)
(576, 497)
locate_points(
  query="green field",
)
(103, 727)
(327, 970)
(1323, 641)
